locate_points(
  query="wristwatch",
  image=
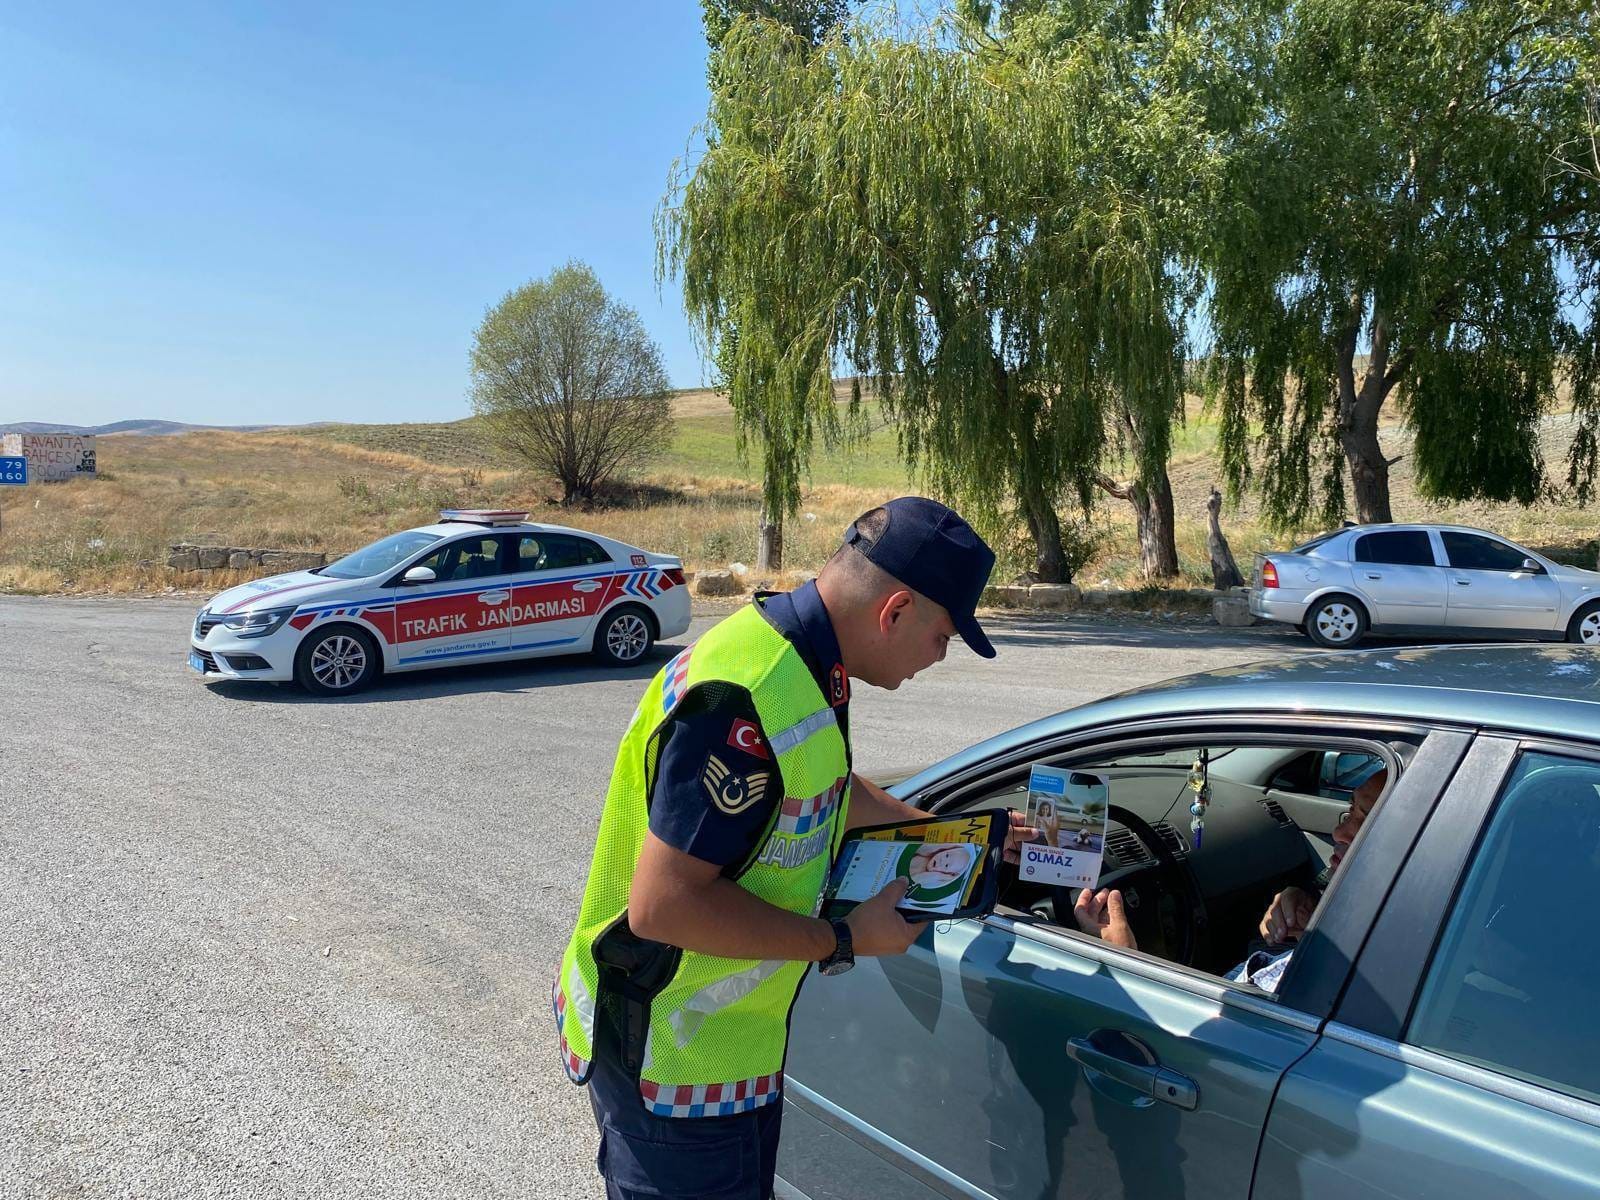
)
(843, 956)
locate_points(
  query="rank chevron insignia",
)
(730, 791)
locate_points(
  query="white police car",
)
(478, 586)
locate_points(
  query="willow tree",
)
(947, 223)
(1391, 228)
(770, 407)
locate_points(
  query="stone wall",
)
(185, 557)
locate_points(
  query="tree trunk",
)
(1358, 416)
(1152, 512)
(1158, 543)
(1369, 470)
(769, 546)
(1224, 570)
(1050, 556)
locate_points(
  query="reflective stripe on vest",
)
(717, 1030)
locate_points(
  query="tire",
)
(1584, 628)
(338, 661)
(624, 636)
(1337, 622)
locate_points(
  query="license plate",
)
(198, 663)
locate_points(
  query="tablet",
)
(951, 864)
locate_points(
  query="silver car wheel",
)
(627, 637)
(338, 662)
(1337, 622)
(1589, 629)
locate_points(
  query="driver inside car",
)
(1100, 914)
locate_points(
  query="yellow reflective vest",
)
(716, 1029)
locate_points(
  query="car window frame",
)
(1393, 965)
(1522, 554)
(514, 550)
(1328, 952)
(1355, 548)
(501, 555)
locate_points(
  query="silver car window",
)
(1515, 983)
(1472, 552)
(1406, 547)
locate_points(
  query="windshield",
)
(380, 556)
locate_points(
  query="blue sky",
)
(285, 212)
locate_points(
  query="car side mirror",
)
(419, 575)
(1529, 565)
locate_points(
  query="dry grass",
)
(336, 488)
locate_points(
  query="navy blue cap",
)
(931, 550)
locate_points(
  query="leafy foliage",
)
(1389, 219)
(567, 379)
(962, 227)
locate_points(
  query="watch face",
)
(836, 967)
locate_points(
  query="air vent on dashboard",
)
(1275, 810)
(1174, 840)
(1125, 848)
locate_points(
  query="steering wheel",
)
(1175, 876)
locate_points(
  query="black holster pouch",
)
(633, 971)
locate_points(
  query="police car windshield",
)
(380, 556)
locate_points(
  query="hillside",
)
(335, 487)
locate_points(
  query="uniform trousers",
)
(684, 1158)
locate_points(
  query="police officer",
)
(730, 794)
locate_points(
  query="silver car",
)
(1436, 580)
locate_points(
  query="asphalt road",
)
(256, 944)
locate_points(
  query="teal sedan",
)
(1311, 995)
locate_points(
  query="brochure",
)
(948, 862)
(1068, 808)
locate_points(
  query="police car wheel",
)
(336, 662)
(624, 637)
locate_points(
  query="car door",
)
(1490, 586)
(1396, 568)
(563, 582)
(464, 612)
(1463, 1062)
(1011, 1058)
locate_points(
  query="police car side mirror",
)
(419, 575)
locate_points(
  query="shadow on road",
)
(522, 675)
(1158, 633)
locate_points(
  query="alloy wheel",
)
(627, 637)
(338, 662)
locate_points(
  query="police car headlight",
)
(261, 623)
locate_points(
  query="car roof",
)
(449, 528)
(1553, 690)
(1403, 526)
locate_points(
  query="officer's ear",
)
(895, 608)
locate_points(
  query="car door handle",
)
(493, 597)
(1463, 583)
(1372, 575)
(586, 585)
(1151, 1079)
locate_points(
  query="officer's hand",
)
(876, 928)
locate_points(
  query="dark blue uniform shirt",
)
(710, 735)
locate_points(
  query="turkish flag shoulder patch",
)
(745, 736)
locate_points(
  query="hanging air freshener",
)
(1200, 784)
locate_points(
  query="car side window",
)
(1515, 982)
(1470, 552)
(556, 551)
(1405, 547)
(465, 558)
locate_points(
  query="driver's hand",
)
(1018, 833)
(1287, 916)
(1100, 914)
